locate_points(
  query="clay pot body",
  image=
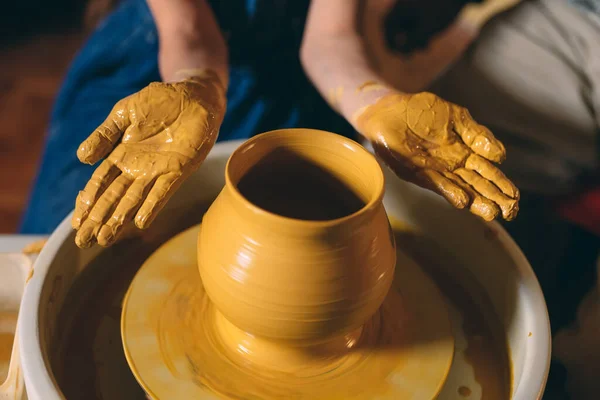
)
(287, 272)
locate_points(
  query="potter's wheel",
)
(177, 346)
(71, 338)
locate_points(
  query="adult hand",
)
(152, 140)
(438, 145)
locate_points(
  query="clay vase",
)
(297, 248)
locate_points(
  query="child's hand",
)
(152, 141)
(437, 145)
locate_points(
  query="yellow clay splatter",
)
(34, 247)
(370, 85)
(335, 96)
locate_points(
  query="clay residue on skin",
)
(438, 145)
(370, 85)
(152, 141)
(335, 96)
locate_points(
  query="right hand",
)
(152, 140)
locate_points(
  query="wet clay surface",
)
(486, 349)
(34, 247)
(437, 145)
(152, 141)
(403, 351)
(93, 360)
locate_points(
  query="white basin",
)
(485, 250)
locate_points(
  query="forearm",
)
(340, 70)
(190, 39)
(334, 57)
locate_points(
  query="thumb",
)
(101, 142)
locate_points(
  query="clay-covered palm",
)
(152, 141)
(438, 145)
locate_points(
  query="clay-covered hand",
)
(438, 145)
(152, 141)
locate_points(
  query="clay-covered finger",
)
(90, 228)
(109, 200)
(86, 199)
(490, 172)
(480, 206)
(160, 193)
(454, 194)
(509, 207)
(105, 137)
(86, 234)
(124, 213)
(479, 138)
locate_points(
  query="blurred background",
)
(38, 39)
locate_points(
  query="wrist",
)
(204, 86)
(367, 120)
(179, 61)
(339, 67)
(366, 95)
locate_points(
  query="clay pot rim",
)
(372, 204)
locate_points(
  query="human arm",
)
(189, 39)
(423, 138)
(155, 138)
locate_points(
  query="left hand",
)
(438, 145)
